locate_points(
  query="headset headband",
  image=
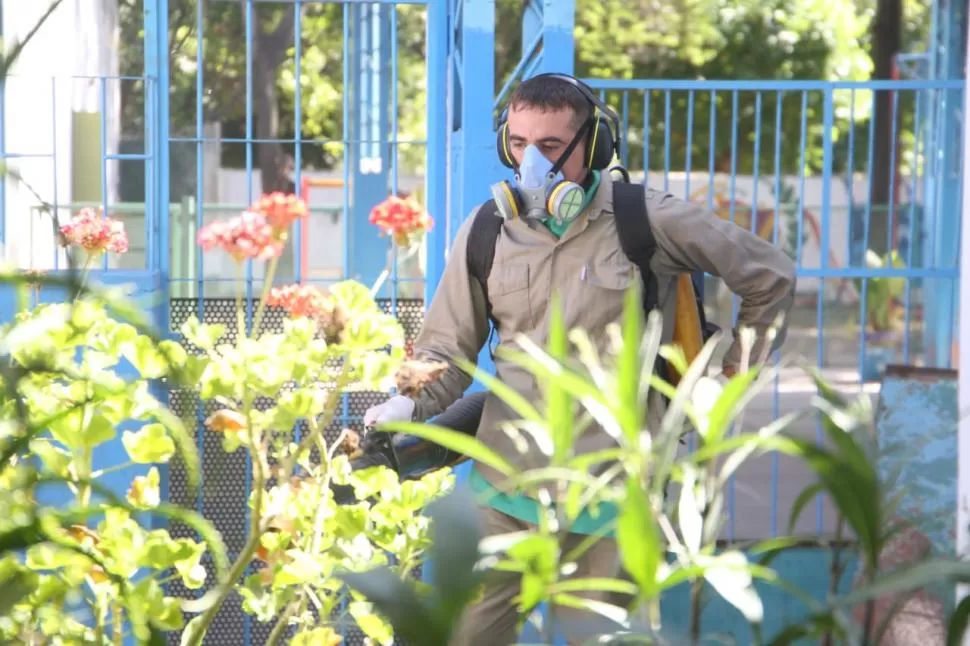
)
(590, 96)
(583, 89)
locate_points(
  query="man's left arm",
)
(690, 238)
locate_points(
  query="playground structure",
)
(459, 165)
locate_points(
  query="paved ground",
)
(767, 486)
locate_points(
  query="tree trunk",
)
(886, 41)
(269, 155)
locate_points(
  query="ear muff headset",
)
(601, 141)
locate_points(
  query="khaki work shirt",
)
(589, 270)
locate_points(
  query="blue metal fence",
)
(791, 160)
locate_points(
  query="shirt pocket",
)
(603, 288)
(508, 291)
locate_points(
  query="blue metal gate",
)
(170, 181)
(375, 46)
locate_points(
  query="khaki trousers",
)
(491, 621)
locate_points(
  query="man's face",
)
(550, 131)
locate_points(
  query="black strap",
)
(636, 236)
(480, 252)
(481, 248)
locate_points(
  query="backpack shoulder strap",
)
(480, 251)
(636, 236)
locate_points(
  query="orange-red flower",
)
(226, 421)
(249, 235)
(297, 300)
(281, 210)
(88, 230)
(401, 218)
(308, 301)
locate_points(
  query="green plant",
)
(263, 385)
(667, 542)
(882, 293)
(89, 570)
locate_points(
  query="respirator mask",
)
(540, 190)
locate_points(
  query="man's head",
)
(547, 112)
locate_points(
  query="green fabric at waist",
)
(526, 509)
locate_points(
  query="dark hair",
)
(551, 93)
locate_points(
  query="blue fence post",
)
(157, 212)
(944, 194)
(369, 89)
(558, 44)
(3, 178)
(475, 165)
(436, 173)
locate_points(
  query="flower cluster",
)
(94, 233)
(259, 233)
(401, 218)
(281, 209)
(307, 301)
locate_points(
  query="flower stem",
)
(267, 285)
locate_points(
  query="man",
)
(554, 139)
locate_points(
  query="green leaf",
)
(910, 577)
(638, 538)
(956, 626)
(630, 407)
(149, 445)
(806, 496)
(470, 447)
(729, 574)
(147, 358)
(398, 601)
(455, 535)
(14, 588)
(814, 627)
(55, 459)
(559, 404)
(204, 336)
(507, 394)
(369, 623)
(81, 428)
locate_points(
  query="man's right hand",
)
(395, 409)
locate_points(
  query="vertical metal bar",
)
(851, 174)
(302, 233)
(801, 180)
(828, 124)
(395, 260)
(864, 297)
(756, 169)
(711, 148)
(56, 213)
(646, 135)
(624, 144)
(199, 223)
(689, 157)
(776, 399)
(435, 182)
(667, 140)
(249, 187)
(103, 98)
(914, 232)
(3, 149)
(247, 619)
(732, 483)
(893, 173)
(345, 216)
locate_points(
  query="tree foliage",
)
(642, 39)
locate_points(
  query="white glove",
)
(396, 409)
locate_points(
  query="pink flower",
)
(96, 234)
(401, 218)
(281, 209)
(298, 300)
(248, 235)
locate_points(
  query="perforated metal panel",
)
(225, 476)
